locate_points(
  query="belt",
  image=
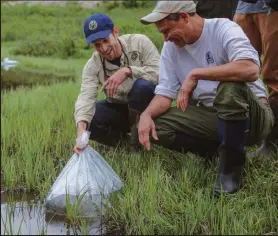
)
(264, 100)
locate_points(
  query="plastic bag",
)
(86, 180)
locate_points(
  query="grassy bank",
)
(57, 31)
(162, 191)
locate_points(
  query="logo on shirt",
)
(209, 58)
(134, 56)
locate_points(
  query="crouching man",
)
(127, 68)
(212, 70)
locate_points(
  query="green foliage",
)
(62, 47)
(57, 31)
(136, 3)
(111, 5)
(130, 3)
(163, 190)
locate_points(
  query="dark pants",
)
(110, 122)
(196, 129)
(217, 8)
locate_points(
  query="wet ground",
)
(16, 77)
(21, 214)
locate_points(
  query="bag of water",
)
(86, 182)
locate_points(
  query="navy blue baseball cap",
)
(97, 26)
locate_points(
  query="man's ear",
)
(115, 31)
(184, 16)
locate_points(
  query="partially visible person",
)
(216, 8)
(259, 21)
(127, 68)
(212, 70)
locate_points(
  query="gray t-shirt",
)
(249, 8)
(222, 41)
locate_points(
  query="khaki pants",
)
(233, 101)
(262, 31)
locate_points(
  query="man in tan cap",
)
(212, 70)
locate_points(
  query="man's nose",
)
(104, 47)
(166, 37)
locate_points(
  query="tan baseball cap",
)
(164, 8)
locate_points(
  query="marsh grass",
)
(74, 215)
(51, 30)
(166, 197)
(163, 190)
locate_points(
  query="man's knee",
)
(106, 134)
(165, 133)
(141, 94)
(231, 101)
(102, 114)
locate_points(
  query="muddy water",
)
(23, 215)
(18, 77)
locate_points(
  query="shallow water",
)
(18, 77)
(21, 214)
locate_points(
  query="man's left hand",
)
(188, 86)
(112, 83)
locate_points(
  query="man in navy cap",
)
(127, 68)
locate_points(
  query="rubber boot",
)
(270, 144)
(133, 117)
(232, 155)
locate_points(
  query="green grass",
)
(52, 31)
(162, 191)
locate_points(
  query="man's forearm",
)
(81, 126)
(237, 71)
(158, 106)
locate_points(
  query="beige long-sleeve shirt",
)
(139, 54)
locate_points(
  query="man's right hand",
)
(78, 149)
(81, 127)
(145, 126)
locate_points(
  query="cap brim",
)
(99, 35)
(153, 17)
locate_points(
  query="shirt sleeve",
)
(150, 59)
(168, 84)
(237, 46)
(85, 103)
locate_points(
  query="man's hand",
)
(78, 149)
(115, 80)
(81, 127)
(188, 86)
(145, 126)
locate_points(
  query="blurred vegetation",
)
(17, 77)
(52, 30)
(136, 4)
